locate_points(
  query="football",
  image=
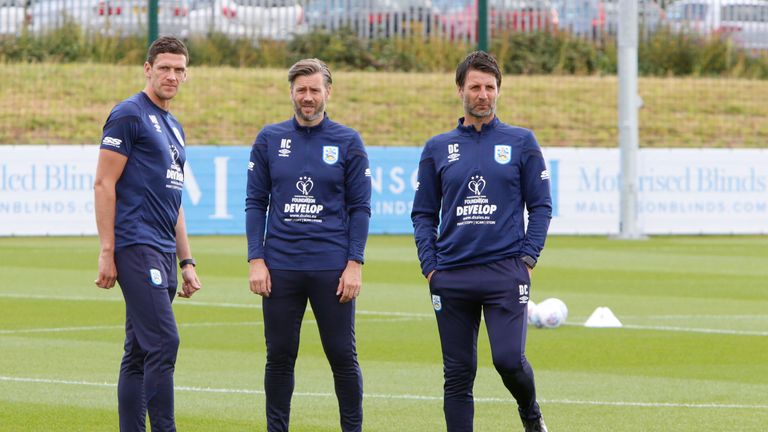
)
(531, 311)
(550, 313)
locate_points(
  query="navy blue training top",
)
(475, 185)
(315, 183)
(149, 190)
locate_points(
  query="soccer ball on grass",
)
(549, 313)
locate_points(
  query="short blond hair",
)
(308, 67)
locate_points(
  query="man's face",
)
(166, 74)
(479, 94)
(309, 96)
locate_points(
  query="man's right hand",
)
(258, 278)
(107, 270)
(429, 276)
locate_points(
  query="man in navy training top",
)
(309, 185)
(139, 179)
(474, 183)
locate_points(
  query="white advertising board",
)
(48, 190)
(680, 191)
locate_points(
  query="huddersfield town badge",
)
(155, 276)
(330, 154)
(502, 154)
(437, 303)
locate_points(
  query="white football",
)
(531, 311)
(550, 313)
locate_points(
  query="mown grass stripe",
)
(398, 396)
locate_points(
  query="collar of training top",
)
(486, 126)
(318, 126)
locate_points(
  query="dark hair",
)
(166, 44)
(479, 61)
(308, 67)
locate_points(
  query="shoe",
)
(535, 425)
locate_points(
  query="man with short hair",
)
(473, 184)
(309, 185)
(138, 186)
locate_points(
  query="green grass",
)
(693, 355)
(68, 103)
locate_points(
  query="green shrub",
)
(342, 48)
(663, 53)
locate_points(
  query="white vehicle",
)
(252, 19)
(172, 16)
(12, 15)
(108, 17)
(744, 21)
(46, 15)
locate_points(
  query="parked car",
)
(649, 14)
(600, 17)
(266, 19)
(108, 17)
(331, 14)
(172, 16)
(372, 17)
(745, 22)
(46, 15)
(460, 20)
(12, 15)
(398, 17)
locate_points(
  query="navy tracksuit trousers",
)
(147, 278)
(498, 290)
(283, 313)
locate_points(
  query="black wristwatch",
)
(529, 261)
(184, 262)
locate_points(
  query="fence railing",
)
(744, 21)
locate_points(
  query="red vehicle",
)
(399, 17)
(461, 21)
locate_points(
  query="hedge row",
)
(665, 53)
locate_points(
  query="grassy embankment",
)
(62, 104)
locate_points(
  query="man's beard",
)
(480, 114)
(319, 111)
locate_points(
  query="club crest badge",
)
(502, 154)
(330, 154)
(155, 276)
(437, 303)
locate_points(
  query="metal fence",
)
(745, 21)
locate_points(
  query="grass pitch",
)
(693, 355)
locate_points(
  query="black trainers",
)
(535, 425)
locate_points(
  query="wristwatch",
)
(529, 261)
(184, 262)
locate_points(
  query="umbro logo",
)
(453, 152)
(285, 148)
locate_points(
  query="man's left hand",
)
(351, 282)
(191, 283)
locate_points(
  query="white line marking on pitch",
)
(182, 325)
(400, 396)
(698, 330)
(203, 304)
